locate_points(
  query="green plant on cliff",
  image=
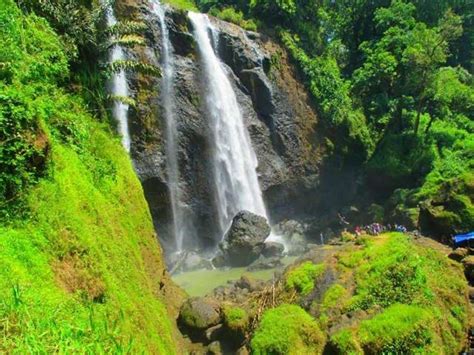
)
(231, 15)
(303, 277)
(287, 329)
(81, 268)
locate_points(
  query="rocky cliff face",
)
(277, 111)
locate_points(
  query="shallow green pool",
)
(201, 282)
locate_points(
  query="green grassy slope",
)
(81, 269)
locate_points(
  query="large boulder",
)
(243, 242)
(272, 249)
(199, 313)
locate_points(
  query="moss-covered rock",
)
(303, 277)
(398, 329)
(387, 281)
(236, 321)
(199, 313)
(287, 329)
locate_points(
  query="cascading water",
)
(119, 86)
(234, 159)
(181, 224)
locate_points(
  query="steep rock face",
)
(276, 109)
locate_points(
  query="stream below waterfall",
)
(202, 282)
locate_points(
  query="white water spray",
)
(234, 159)
(119, 86)
(181, 224)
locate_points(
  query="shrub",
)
(302, 278)
(287, 329)
(237, 17)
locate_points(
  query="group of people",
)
(377, 228)
(373, 228)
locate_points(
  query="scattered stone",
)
(246, 282)
(243, 242)
(272, 249)
(458, 254)
(199, 313)
(214, 333)
(218, 260)
(263, 263)
(290, 227)
(242, 351)
(468, 263)
(214, 348)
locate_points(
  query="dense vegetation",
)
(392, 82)
(81, 268)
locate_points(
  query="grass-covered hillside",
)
(81, 270)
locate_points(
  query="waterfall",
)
(234, 159)
(181, 222)
(119, 86)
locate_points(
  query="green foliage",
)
(345, 342)
(287, 329)
(128, 41)
(393, 274)
(235, 318)
(400, 160)
(131, 65)
(231, 15)
(333, 296)
(32, 58)
(331, 93)
(188, 5)
(399, 329)
(79, 271)
(77, 22)
(124, 28)
(303, 277)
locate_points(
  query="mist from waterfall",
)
(182, 228)
(119, 86)
(234, 159)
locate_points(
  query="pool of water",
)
(201, 282)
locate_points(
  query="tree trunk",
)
(429, 124)
(418, 116)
